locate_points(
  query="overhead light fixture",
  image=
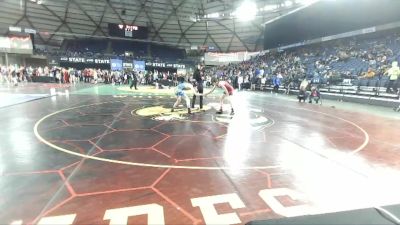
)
(306, 2)
(193, 19)
(246, 11)
(213, 15)
(37, 1)
(270, 7)
(288, 3)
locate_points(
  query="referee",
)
(134, 80)
(199, 85)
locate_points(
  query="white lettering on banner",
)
(15, 29)
(101, 61)
(159, 64)
(165, 65)
(76, 59)
(179, 66)
(30, 31)
(269, 197)
(58, 220)
(120, 216)
(210, 214)
(127, 65)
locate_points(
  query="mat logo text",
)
(155, 212)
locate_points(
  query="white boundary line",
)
(37, 134)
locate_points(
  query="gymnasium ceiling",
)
(177, 22)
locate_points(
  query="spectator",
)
(393, 73)
(315, 95)
(369, 74)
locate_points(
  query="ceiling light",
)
(246, 11)
(288, 3)
(270, 7)
(213, 15)
(193, 19)
(306, 2)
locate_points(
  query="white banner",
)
(18, 45)
(226, 58)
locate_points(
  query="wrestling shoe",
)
(232, 112)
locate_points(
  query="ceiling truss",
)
(169, 21)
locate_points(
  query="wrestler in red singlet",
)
(228, 91)
(227, 86)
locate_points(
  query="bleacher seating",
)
(338, 67)
(91, 46)
(105, 47)
(138, 48)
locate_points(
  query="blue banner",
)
(139, 65)
(116, 64)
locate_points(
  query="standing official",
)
(134, 79)
(197, 76)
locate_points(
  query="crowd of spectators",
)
(323, 64)
(352, 59)
(15, 74)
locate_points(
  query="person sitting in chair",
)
(315, 95)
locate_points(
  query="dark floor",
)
(96, 158)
